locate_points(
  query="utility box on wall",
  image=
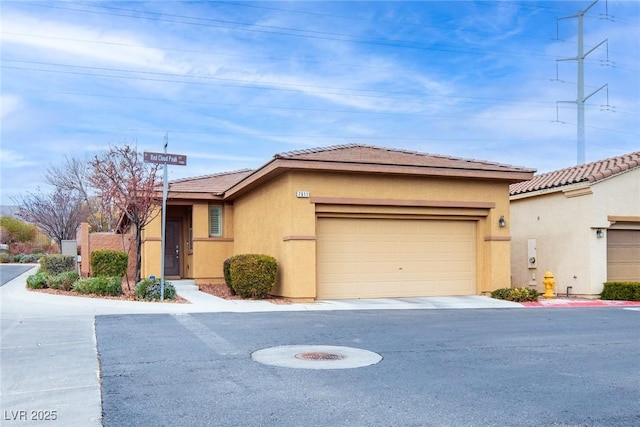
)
(69, 247)
(532, 254)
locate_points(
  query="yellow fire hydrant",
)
(549, 283)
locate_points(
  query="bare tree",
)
(122, 176)
(58, 214)
(73, 175)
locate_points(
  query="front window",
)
(215, 221)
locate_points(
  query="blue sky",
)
(233, 83)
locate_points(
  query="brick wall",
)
(90, 242)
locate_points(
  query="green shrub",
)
(502, 293)
(253, 275)
(149, 289)
(17, 258)
(516, 294)
(56, 264)
(64, 281)
(102, 285)
(622, 291)
(109, 263)
(226, 271)
(39, 280)
(5, 257)
(29, 259)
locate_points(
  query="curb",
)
(564, 303)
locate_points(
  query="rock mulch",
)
(221, 290)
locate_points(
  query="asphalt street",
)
(9, 272)
(487, 367)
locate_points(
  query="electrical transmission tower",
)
(581, 98)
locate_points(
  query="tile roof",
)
(348, 157)
(359, 158)
(215, 184)
(369, 154)
(586, 173)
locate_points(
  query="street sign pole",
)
(164, 159)
(165, 188)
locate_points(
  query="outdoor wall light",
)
(599, 233)
(502, 222)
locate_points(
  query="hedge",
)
(516, 294)
(56, 264)
(99, 286)
(226, 271)
(109, 263)
(253, 275)
(622, 291)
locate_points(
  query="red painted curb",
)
(581, 303)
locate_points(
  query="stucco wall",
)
(564, 225)
(560, 226)
(261, 219)
(272, 220)
(151, 246)
(204, 262)
(617, 196)
(91, 242)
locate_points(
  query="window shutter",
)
(215, 221)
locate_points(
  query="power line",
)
(254, 82)
(292, 87)
(310, 109)
(311, 34)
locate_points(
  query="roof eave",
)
(550, 190)
(174, 195)
(278, 166)
(189, 195)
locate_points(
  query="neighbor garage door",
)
(374, 258)
(623, 255)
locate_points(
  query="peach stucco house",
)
(581, 223)
(348, 221)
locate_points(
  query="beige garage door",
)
(375, 258)
(623, 255)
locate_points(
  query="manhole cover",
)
(316, 355)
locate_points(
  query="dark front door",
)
(172, 248)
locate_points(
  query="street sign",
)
(165, 159)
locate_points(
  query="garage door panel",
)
(623, 255)
(453, 267)
(370, 258)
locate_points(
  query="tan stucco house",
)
(348, 221)
(581, 223)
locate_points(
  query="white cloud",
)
(13, 159)
(102, 45)
(9, 104)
